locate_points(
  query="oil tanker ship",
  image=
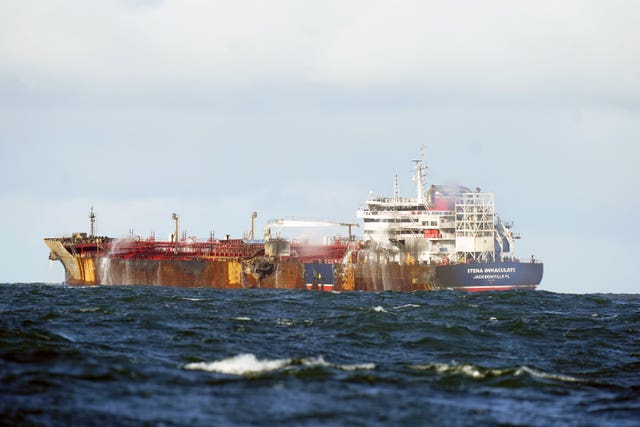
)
(447, 237)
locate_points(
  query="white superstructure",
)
(448, 224)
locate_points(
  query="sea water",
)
(159, 356)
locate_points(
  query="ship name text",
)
(491, 273)
(491, 270)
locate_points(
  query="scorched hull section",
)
(232, 274)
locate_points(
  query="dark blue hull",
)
(489, 276)
(319, 275)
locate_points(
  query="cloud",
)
(586, 48)
(489, 46)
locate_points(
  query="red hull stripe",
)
(327, 287)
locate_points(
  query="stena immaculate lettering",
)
(499, 270)
(491, 270)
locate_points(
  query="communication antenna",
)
(92, 218)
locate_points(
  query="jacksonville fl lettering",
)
(491, 273)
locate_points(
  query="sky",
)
(214, 109)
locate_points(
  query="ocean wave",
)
(89, 309)
(525, 370)
(249, 364)
(302, 352)
(479, 372)
(320, 362)
(406, 306)
(242, 364)
(467, 370)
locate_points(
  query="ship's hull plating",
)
(292, 273)
(489, 276)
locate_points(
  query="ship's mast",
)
(254, 215)
(92, 218)
(174, 217)
(419, 169)
(396, 188)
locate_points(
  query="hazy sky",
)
(296, 108)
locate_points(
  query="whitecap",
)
(357, 367)
(314, 361)
(546, 375)
(248, 364)
(478, 372)
(406, 306)
(467, 370)
(319, 361)
(242, 364)
(379, 309)
(241, 319)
